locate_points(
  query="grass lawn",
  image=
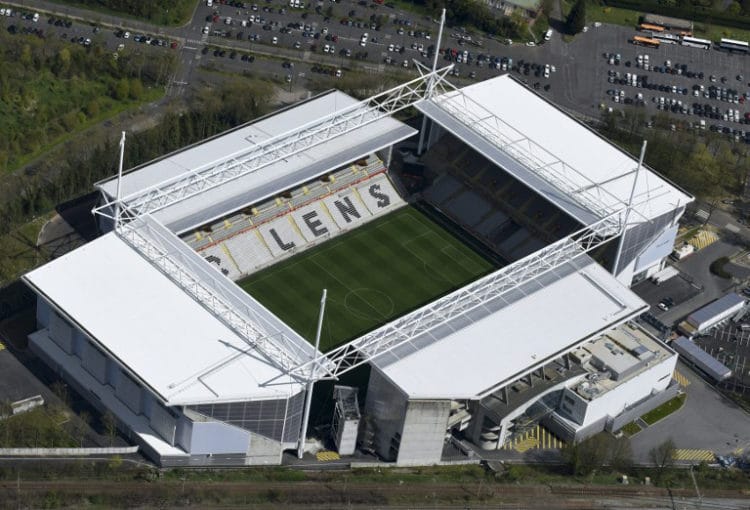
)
(169, 12)
(373, 274)
(718, 32)
(629, 18)
(613, 15)
(631, 429)
(664, 410)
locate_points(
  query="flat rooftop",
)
(625, 351)
(165, 338)
(267, 180)
(511, 334)
(715, 308)
(537, 137)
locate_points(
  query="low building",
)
(700, 359)
(603, 384)
(712, 314)
(668, 22)
(529, 8)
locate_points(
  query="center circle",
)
(367, 303)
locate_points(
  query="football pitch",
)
(373, 274)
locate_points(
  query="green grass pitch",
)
(373, 274)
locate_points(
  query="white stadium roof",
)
(267, 180)
(508, 336)
(156, 330)
(550, 151)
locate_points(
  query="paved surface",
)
(730, 345)
(16, 382)
(697, 267)
(680, 288)
(707, 421)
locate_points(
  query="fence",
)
(66, 452)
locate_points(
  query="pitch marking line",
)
(349, 289)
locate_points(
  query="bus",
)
(734, 46)
(646, 41)
(665, 37)
(648, 27)
(694, 42)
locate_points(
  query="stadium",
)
(477, 269)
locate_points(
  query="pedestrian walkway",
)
(681, 379)
(703, 238)
(691, 454)
(327, 456)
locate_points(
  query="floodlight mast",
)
(119, 179)
(431, 83)
(311, 379)
(621, 243)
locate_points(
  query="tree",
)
(577, 17)
(662, 456)
(588, 455)
(620, 454)
(82, 425)
(122, 89)
(110, 426)
(135, 88)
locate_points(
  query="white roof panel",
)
(158, 332)
(531, 125)
(510, 335)
(268, 180)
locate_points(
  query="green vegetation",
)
(705, 164)
(478, 15)
(631, 429)
(50, 89)
(592, 454)
(613, 15)
(717, 267)
(576, 18)
(664, 410)
(446, 486)
(71, 169)
(735, 14)
(160, 12)
(39, 428)
(18, 249)
(373, 274)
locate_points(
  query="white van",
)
(548, 35)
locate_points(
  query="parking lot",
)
(730, 344)
(339, 37)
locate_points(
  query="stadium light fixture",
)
(621, 243)
(311, 378)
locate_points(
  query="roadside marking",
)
(732, 228)
(694, 454)
(681, 379)
(538, 438)
(703, 239)
(326, 456)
